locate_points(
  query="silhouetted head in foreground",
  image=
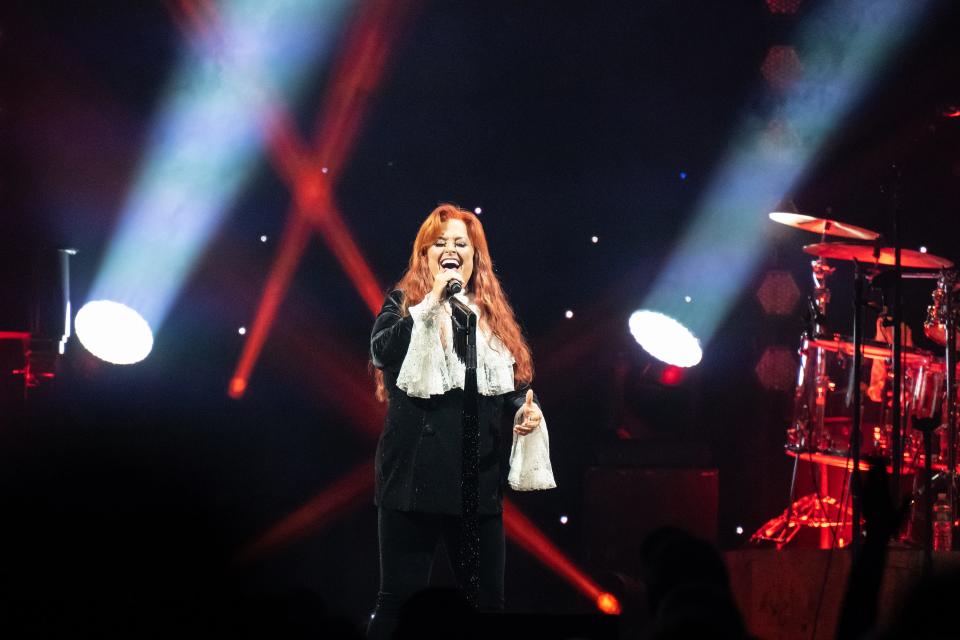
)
(688, 587)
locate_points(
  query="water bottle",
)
(942, 524)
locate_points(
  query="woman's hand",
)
(529, 416)
(440, 282)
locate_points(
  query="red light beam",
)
(324, 507)
(526, 535)
(358, 72)
(295, 238)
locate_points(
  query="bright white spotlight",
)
(665, 339)
(113, 332)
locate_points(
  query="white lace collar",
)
(431, 367)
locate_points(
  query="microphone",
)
(454, 287)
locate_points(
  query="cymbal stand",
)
(947, 283)
(820, 299)
(856, 402)
(897, 431)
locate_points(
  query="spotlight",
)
(665, 339)
(739, 530)
(478, 210)
(564, 519)
(594, 239)
(671, 375)
(113, 332)
(923, 249)
(608, 603)
(687, 299)
(568, 314)
(683, 175)
(263, 238)
(242, 331)
(846, 48)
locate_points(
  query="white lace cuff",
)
(530, 468)
(424, 370)
(426, 310)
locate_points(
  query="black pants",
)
(408, 542)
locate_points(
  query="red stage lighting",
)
(671, 375)
(526, 535)
(327, 505)
(778, 293)
(355, 79)
(782, 67)
(777, 369)
(784, 7)
(608, 604)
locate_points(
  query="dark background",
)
(563, 121)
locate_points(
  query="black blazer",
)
(419, 457)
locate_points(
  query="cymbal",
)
(885, 255)
(823, 226)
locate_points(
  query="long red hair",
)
(496, 314)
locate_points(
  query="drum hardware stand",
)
(947, 283)
(817, 509)
(855, 398)
(927, 427)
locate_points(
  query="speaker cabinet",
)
(621, 506)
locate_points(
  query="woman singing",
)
(420, 467)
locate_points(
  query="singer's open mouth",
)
(450, 263)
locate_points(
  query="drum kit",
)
(862, 401)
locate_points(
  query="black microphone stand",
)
(465, 346)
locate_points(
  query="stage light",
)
(671, 375)
(564, 519)
(525, 534)
(845, 47)
(739, 530)
(923, 249)
(782, 67)
(568, 314)
(594, 239)
(687, 299)
(478, 210)
(204, 143)
(242, 331)
(263, 238)
(237, 387)
(777, 369)
(113, 332)
(783, 6)
(683, 175)
(778, 293)
(608, 604)
(665, 339)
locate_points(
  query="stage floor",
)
(778, 591)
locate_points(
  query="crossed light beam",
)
(843, 46)
(201, 150)
(310, 174)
